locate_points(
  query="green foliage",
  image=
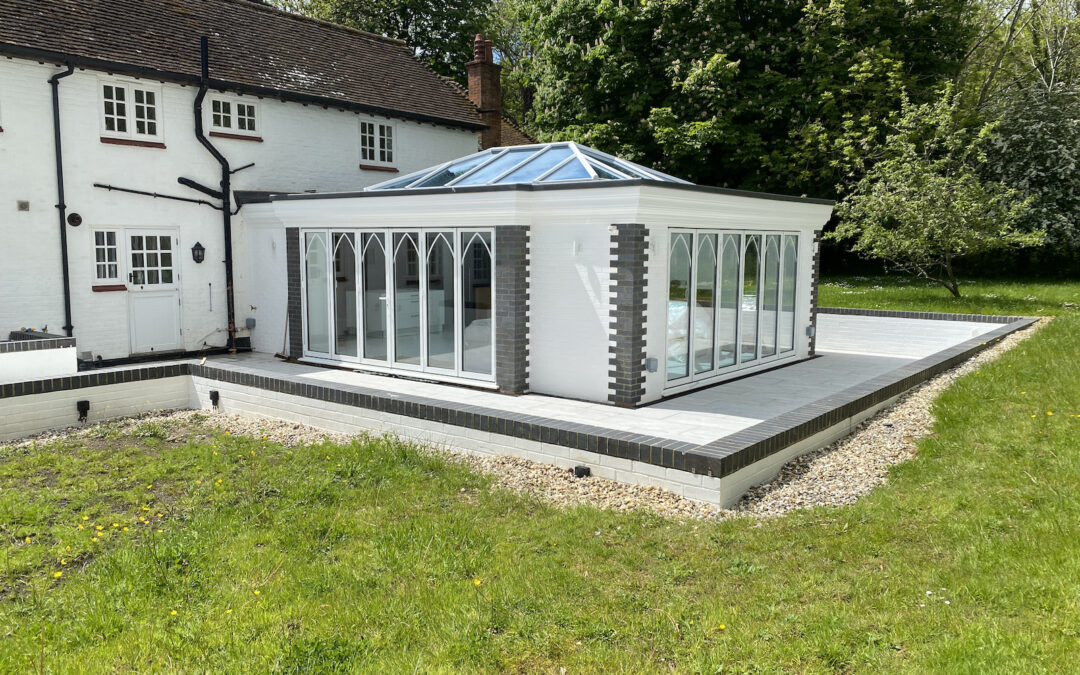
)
(441, 34)
(922, 205)
(728, 92)
(1036, 149)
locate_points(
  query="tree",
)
(441, 33)
(741, 93)
(922, 205)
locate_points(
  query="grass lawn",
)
(217, 553)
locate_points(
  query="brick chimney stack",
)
(485, 91)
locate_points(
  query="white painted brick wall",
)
(306, 147)
(24, 415)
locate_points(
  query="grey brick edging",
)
(512, 309)
(32, 341)
(718, 458)
(626, 356)
(295, 304)
(934, 316)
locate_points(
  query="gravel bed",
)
(832, 476)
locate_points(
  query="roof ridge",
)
(271, 9)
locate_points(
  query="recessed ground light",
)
(582, 471)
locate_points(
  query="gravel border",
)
(833, 476)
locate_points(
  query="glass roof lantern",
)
(549, 163)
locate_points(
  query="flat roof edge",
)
(541, 187)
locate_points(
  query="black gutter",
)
(226, 190)
(543, 187)
(61, 206)
(226, 85)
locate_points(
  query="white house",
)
(99, 121)
(555, 269)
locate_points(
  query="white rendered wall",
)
(303, 148)
(569, 314)
(37, 364)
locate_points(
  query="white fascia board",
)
(685, 208)
(260, 215)
(602, 205)
(462, 209)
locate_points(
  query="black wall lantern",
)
(198, 252)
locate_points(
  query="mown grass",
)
(375, 557)
(978, 296)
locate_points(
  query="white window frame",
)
(129, 87)
(379, 129)
(117, 245)
(234, 116)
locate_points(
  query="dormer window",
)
(130, 111)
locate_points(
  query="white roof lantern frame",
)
(596, 165)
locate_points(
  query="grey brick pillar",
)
(626, 356)
(293, 264)
(512, 309)
(816, 262)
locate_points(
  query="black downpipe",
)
(61, 206)
(226, 192)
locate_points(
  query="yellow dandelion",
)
(264, 438)
(80, 526)
(93, 538)
(1048, 412)
(161, 531)
(1033, 416)
(256, 591)
(476, 582)
(149, 486)
(227, 433)
(253, 452)
(86, 517)
(722, 626)
(198, 482)
(158, 515)
(67, 548)
(62, 561)
(125, 528)
(57, 574)
(172, 613)
(28, 540)
(99, 528)
(228, 611)
(116, 524)
(215, 453)
(146, 508)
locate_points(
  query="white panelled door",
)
(154, 291)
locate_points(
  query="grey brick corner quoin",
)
(816, 261)
(626, 356)
(296, 321)
(512, 309)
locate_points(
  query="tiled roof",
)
(252, 46)
(513, 135)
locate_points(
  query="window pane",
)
(166, 276)
(406, 298)
(440, 299)
(374, 279)
(787, 295)
(165, 243)
(166, 259)
(678, 331)
(572, 170)
(503, 163)
(345, 294)
(704, 295)
(729, 299)
(770, 295)
(476, 292)
(538, 166)
(317, 280)
(151, 276)
(453, 171)
(749, 309)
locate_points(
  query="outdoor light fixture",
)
(198, 252)
(84, 408)
(581, 471)
(214, 397)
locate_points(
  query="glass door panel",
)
(728, 332)
(704, 304)
(407, 298)
(317, 277)
(440, 300)
(678, 330)
(344, 295)
(789, 267)
(476, 315)
(373, 279)
(749, 305)
(770, 295)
